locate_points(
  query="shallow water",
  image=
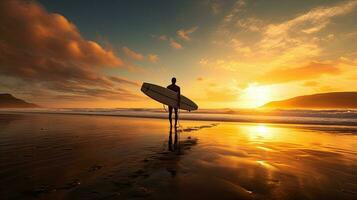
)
(342, 117)
(46, 156)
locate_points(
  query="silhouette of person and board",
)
(172, 97)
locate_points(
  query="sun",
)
(256, 96)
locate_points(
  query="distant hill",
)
(330, 100)
(9, 101)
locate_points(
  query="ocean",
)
(316, 117)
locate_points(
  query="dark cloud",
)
(45, 50)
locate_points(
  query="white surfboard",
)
(167, 96)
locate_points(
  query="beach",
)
(67, 156)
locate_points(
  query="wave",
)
(318, 117)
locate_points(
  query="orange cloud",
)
(153, 58)
(221, 96)
(301, 38)
(132, 54)
(122, 80)
(251, 24)
(47, 51)
(315, 19)
(311, 84)
(29, 26)
(175, 44)
(185, 33)
(284, 35)
(309, 71)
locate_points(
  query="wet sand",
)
(53, 156)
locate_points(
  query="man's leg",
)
(170, 115)
(176, 116)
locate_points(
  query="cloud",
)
(153, 58)
(351, 34)
(132, 54)
(137, 56)
(251, 24)
(309, 71)
(238, 46)
(45, 34)
(170, 41)
(181, 33)
(185, 33)
(311, 84)
(237, 7)
(226, 64)
(212, 90)
(328, 88)
(215, 92)
(313, 21)
(221, 95)
(315, 17)
(314, 29)
(291, 42)
(175, 44)
(122, 80)
(47, 52)
(203, 61)
(296, 39)
(162, 37)
(93, 92)
(215, 6)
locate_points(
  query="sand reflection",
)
(91, 157)
(280, 162)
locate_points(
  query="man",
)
(174, 88)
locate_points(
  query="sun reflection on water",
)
(266, 164)
(260, 132)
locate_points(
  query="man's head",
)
(173, 80)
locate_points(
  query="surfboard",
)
(167, 96)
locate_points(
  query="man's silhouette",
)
(174, 88)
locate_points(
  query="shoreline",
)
(191, 118)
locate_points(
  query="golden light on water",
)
(260, 132)
(262, 129)
(266, 164)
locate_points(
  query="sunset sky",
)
(224, 54)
